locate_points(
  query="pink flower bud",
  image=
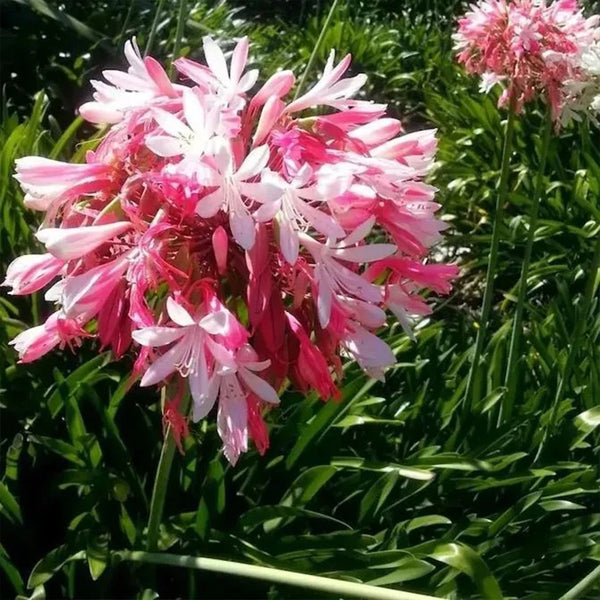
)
(31, 272)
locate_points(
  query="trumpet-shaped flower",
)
(230, 84)
(58, 330)
(75, 242)
(144, 82)
(31, 272)
(191, 139)
(49, 183)
(188, 355)
(235, 192)
(293, 211)
(331, 89)
(333, 277)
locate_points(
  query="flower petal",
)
(157, 336)
(253, 164)
(194, 113)
(239, 59)
(75, 242)
(259, 386)
(210, 205)
(215, 59)
(170, 124)
(324, 297)
(215, 323)
(288, 240)
(242, 227)
(163, 366)
(365, 253)
(200, 389)
(178, 313)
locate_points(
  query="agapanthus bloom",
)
(584, 93)
(233, 243)
(530, 46)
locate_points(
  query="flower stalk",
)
(163, 470)
(315, 50)
(493, 261)
(323, 584)
(511, 378)
(178, 34)
(590, 289)
(154, 28)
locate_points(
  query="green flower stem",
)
(154, 27)
(493, 261)
(159, 491)
(178, 34)
(517, 330)
(126, 22)
(578, 591)
(588, 297)
(313, 54)
(336, 587)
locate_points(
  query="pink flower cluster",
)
(530, 46)
(228, 239)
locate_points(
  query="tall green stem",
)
(154, 27)
(588, 582)
(159, 491)
(517, 330)
(178, 34)
(126, 23)
(580, 324)
(336, 587)
(313, 54)
(493, 261)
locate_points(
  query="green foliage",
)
(396, 485)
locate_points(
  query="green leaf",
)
(11, 572)
(303, 490)
(127, 526)
(63, 449)
(9, 505)
(587, 421)
(62, 17)
(13, 453)
(97, 555)
(427, 521)
(262, 514)
(69, 385)
(409, 569)
(403, 470)
(466, 560)
(66, 137)
(560, 505)
(513, 512)
(320, 423)
(376, 495)
(212, 502)
(48, 566)
(39, 593)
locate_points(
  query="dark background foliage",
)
(400, 484)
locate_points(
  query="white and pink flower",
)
(232, 242)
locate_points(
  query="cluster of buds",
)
(531, 47)
(231, 242)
